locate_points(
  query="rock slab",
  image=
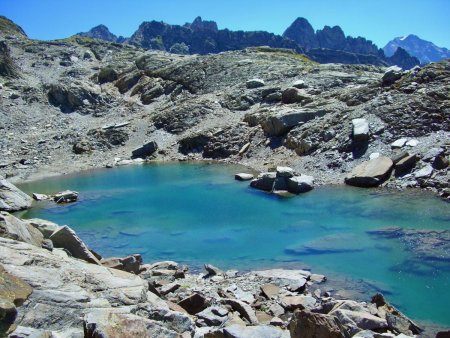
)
(370, 173)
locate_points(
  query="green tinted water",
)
(197, 213)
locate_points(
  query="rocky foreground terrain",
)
(52, 285)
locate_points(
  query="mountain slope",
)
(425, 51)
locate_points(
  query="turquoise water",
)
(198, 213)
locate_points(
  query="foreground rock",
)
(371, 173)
(13, 199)
(17, 229)
(13, 293)
(67, 239)
(305, 324)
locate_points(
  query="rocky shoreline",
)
(57, 287)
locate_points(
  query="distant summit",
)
(202, 37)
(101, 32)
(327, 45)
(425, 51)
(334, 38)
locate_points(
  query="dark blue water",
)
(197, 213)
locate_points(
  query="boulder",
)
(412, 143)
(432, 153)
(400, 143)
(12, 198)
(130, 263)
(440, 162)
(39, 197)
(370, 173)
(391, 75)
(302, 302)
(66, 196)
(243, 177)
(16, 229)
(300, 184)
(280, 123)
(397, 157)
(280, 186)
(255, 83)
(305, 324)
(82, 147)
(405, 165)
(67, 239)
(260, 331)
(237, 293)
(214, 316)
(264, 181)
(285, 172)
(425, 172)
(168, 288)
(212, 270)
(395, 319)
(111, 323)
(294, 95)
(360, 130)
(13, 292)
(300, 84)
(361, 319)
(146, 150)
(194, 303)
(44, 226)
(244, 309)
(270, 290)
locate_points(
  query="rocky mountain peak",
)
(402, 59)
(302, 32)
(200, 25)
(332, 38)
(425, 51)
(100, 32)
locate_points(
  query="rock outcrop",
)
(284, 179)
(12, 198)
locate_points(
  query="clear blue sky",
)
(377, 20)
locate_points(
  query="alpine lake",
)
(364, 240)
